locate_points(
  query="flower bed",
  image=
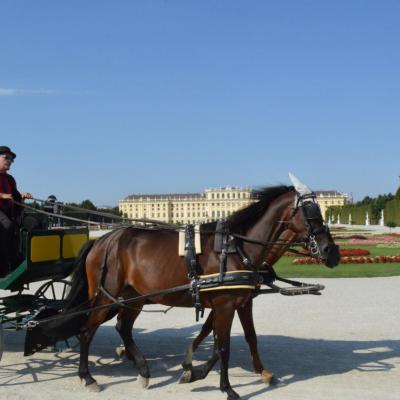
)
(343, 252)
(369, 242)
(354, 252)
(351, 260)
(373, 242)
(350, 236)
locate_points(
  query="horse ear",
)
(301, 188)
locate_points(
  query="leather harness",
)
(226, 243)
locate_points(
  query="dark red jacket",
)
(9, 186)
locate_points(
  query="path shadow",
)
(290, 358)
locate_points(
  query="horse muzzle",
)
(332, 256)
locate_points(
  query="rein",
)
(120, 302)
(267, 243)
(155, 223)
(104, 214)
(54, 215)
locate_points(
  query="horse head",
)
(308, 224)
(282, 217)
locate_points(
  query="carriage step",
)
(296, 291)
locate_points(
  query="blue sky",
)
(102, 99)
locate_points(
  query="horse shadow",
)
(291, 359)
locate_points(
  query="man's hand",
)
(26, 195)
(6, 196)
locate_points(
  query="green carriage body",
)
(48, 254)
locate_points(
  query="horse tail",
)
(79, 283)
(69, 321)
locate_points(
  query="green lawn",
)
(286, 269)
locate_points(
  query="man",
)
(9, 212)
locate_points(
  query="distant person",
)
(9, 212)
(51, 206)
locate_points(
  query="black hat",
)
(7, 150)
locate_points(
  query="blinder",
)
(311, 212)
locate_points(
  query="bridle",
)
(311, 212)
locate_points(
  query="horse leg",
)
(187, 375)
(96, 318)
(246, 318)
(223, 318)
(192, 374)
(126, 319)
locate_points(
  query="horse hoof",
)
(275, 381)
(120, 351)
(266, 377)
(186, 376)
(143, 382)
(93, 387)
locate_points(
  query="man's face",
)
(5, 162)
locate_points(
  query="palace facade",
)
(212, 204)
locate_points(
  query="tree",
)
(88, 205)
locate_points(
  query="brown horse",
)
(273, 253)
(245, 313)
(133, 262)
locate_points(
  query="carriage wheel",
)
(57, 290)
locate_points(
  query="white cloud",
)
(7, 92)
(21, 92)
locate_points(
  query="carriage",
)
(123, 268)
(47, 254)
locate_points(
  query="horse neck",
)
(269, 228)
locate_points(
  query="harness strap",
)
(231, 280)
(104, 269)
(245, 260)
(190, 252)
(103, 290)
(192, 268)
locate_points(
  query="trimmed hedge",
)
(392, 211)
(358, 214)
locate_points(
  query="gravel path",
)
(344, 344)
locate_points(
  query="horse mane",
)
(242, 220)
